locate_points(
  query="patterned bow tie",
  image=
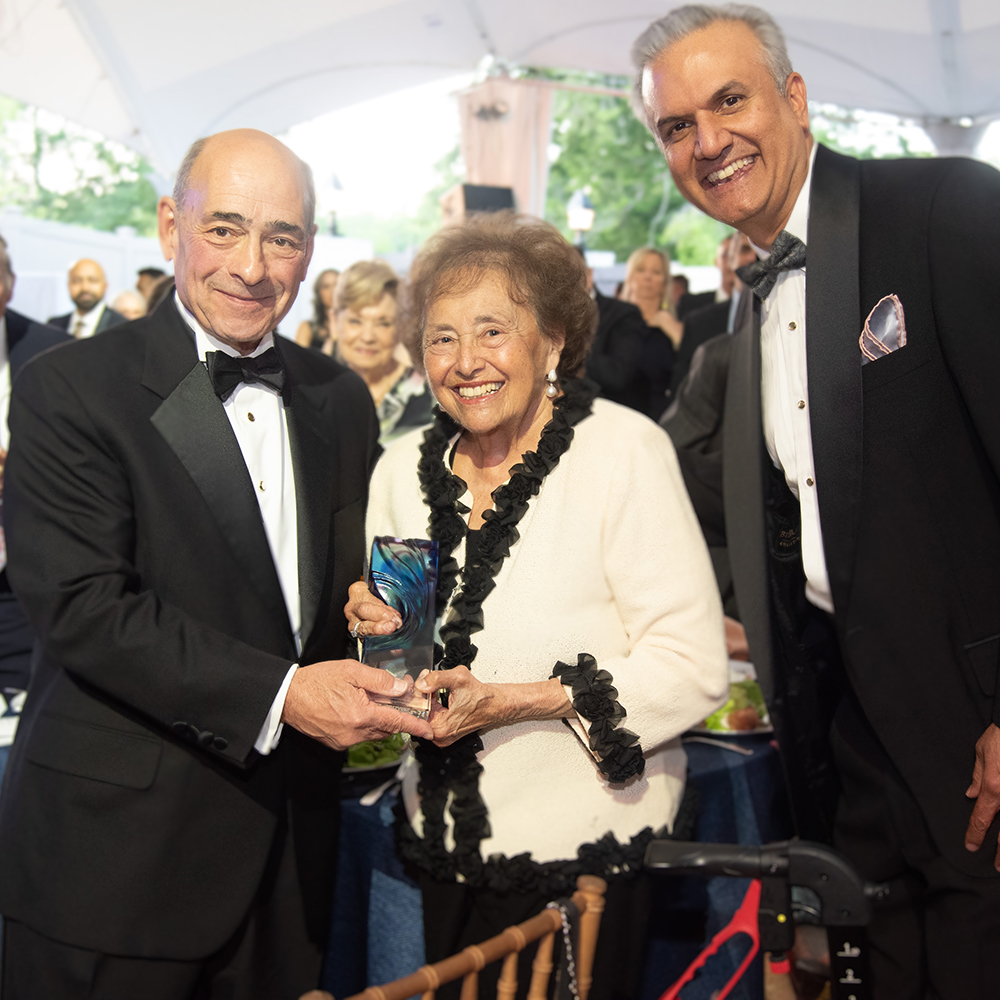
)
(787, 253)
(227, 372)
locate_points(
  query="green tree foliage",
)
(600, 147)
(865, 135)
(55, 170)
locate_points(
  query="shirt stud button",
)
(802, 404)
(250, 417)
(261, 485)
(793, 325)
(809, 481)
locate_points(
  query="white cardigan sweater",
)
(610, 562)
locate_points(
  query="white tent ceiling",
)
(156, 76)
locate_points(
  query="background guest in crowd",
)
(20, 340)
(163, 288)
(694, 422)
(860, 472)
(630, 362)
(688, 302)
(718, 317)
(647, 272)
(129, 304)
(679, 286)
(147, 279)
(368, 342)
(87, 286)
(319, 332)
(604, 581)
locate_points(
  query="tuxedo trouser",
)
(937, 936)
(269, 958)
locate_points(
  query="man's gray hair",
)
(183, 181)
(683, 21)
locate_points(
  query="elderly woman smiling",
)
(578, 612)
(368, 343)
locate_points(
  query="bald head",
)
(129, 304)
(240, 232)
(87, 284)
(252, 143)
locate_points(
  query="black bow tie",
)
(787, 253)
(227, 372)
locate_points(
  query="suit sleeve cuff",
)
(270, 732)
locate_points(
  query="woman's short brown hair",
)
(365, 284)
(545, 274)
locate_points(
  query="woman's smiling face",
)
(368, 336)
(485, 357)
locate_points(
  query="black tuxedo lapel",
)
(192, 421)
(744, 487)
(833, 359)
(314, 457)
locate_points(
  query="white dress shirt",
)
(86, 322)
(257, 415)
(734, 305)
(785, 400)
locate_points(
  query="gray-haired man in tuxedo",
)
(861, 481)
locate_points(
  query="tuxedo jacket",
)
(699, 326)
(136, 817)
(694, 422)
(690, 302)
(25, 339)
(906, 454)
(109, 318)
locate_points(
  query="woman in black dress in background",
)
(319, 332)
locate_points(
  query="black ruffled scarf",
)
(456, 769)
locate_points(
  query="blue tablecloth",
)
(377, 930)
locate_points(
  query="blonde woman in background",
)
(318, 332)
(647, 275)
(368, 343)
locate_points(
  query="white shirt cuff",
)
(270, 732)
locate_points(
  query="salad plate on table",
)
(376, 755)
(744, 714)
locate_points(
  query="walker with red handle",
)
(765, 915)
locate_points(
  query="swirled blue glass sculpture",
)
(403, 573)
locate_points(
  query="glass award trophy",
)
(403, 573)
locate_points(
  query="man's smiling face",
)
(240, 241)
(736, 148)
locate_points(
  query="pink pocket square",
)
(885, 330)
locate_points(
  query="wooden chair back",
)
(589, 901)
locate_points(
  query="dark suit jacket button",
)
(181, 728)
(220, 743)
(205, 739)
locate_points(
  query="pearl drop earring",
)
(551, 390)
